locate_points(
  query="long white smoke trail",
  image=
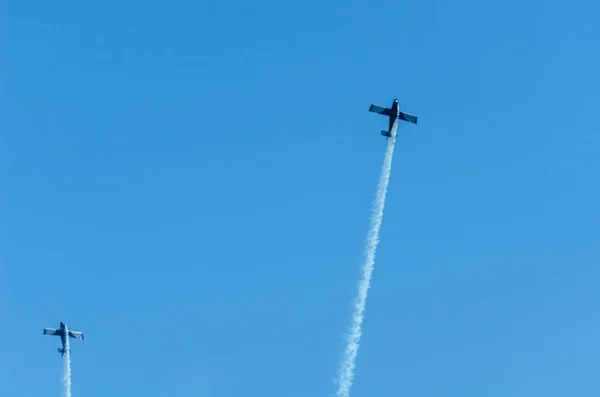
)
(346, 373)
(67, 366)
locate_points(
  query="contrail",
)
(346, 373)
(67, 366)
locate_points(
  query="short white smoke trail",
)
(67, 366)
(346, 373)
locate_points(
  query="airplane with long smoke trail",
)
(346, 372)
(64, 333)
(393, 113)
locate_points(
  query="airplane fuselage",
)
(63, 338)
(393, 116)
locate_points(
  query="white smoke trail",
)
(346, 373)
(67, 366)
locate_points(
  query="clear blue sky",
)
(189, 184)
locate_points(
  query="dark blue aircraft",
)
(63, 332)
(394, 113)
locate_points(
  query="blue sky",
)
(189, 184)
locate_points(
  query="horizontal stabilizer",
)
(386, 133)
(76, 335)
(408, 117)
(380, 110)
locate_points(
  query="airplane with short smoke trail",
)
(63, 332)
(393, 113)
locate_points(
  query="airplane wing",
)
(76, 335)
(51, 331)
(411, 118)
(380, 110)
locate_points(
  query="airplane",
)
(393, 113)
(62, 332)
